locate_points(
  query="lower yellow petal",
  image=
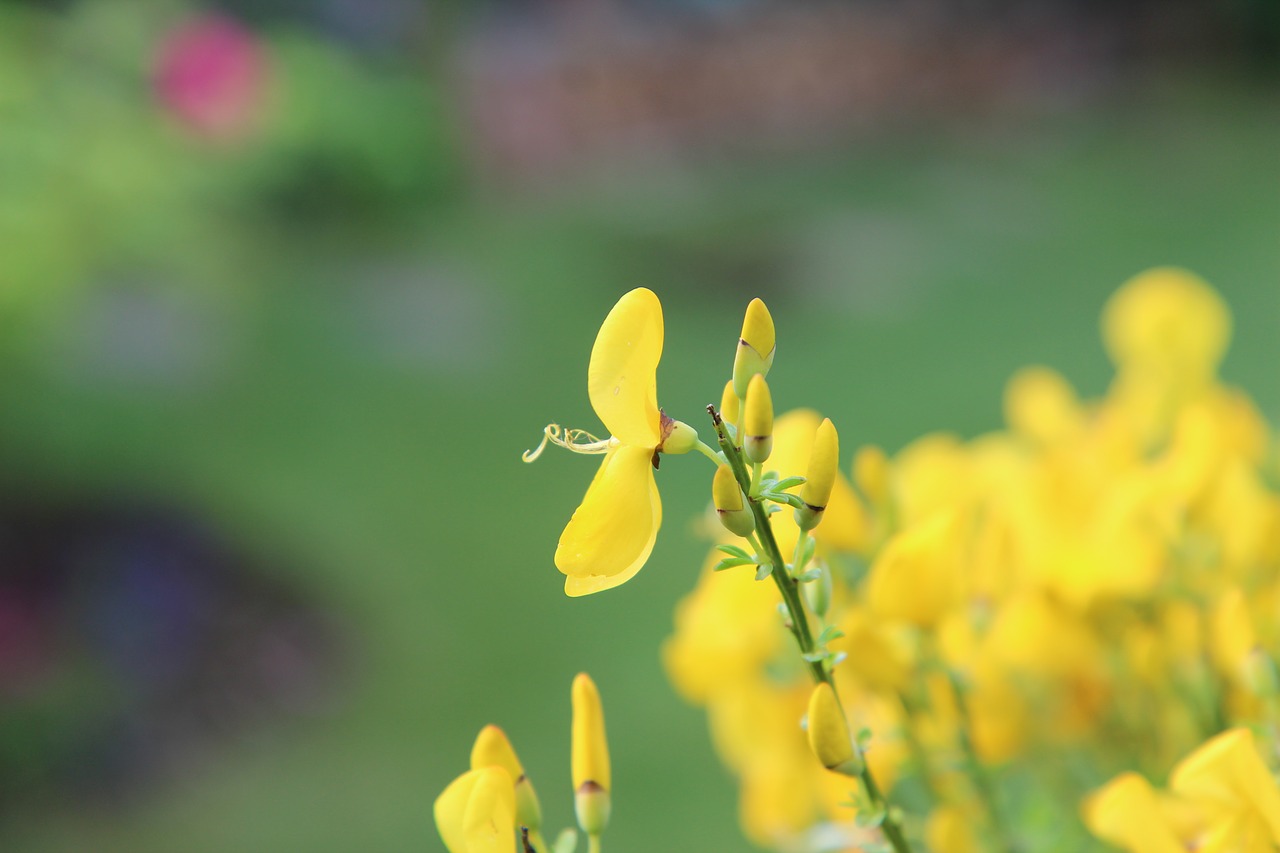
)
(612, 532)
(476, 813)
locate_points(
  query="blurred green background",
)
(274, 273)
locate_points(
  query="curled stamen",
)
(573, 440)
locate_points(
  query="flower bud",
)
(756, 347)
(829, 733)
(757, 426)
(730, 404)
(493, 748)
(590, 758)
(677, 437)
(726, 494)
(820, 477)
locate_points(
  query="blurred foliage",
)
(98, 177)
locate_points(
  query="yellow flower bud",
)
(756, 347)
(829, 733)
(492, 748)
(590, 758)
(730, 404)
(757, 427)
(476, 813)
(820, 476)
(726, 494)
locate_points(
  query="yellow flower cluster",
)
(1093, 586)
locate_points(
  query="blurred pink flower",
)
(210, 73)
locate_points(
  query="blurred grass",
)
(909, 277)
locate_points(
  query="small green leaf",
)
(811, 575)
(829, 633)
(806, 553)
(732, 550)
(870, 819)
(732, 562)
(788, 483)
(785, 498)
(764, 571)
(814, 657)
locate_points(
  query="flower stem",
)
(705, 449)
(978, 773)
(799, 620)
(593, 844)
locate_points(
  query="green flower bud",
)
(756, 347)
(726, 494)
(757, 427)
(677, 436)
(592, 805)
(829, 733)
(820, 477)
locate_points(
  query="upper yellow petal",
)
(612, 532)
(622, 380)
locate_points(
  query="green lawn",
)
(909, 277)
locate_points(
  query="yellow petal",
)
(1227, 773)
(489, 824)
(476, 813)
(450, 809)
(492, 747)
(622, 380)
(612, 532)
(1125, 812)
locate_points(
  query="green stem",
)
(593, 844)
(705, 449)
(977, 770)
(797, 568)
(799, 621)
